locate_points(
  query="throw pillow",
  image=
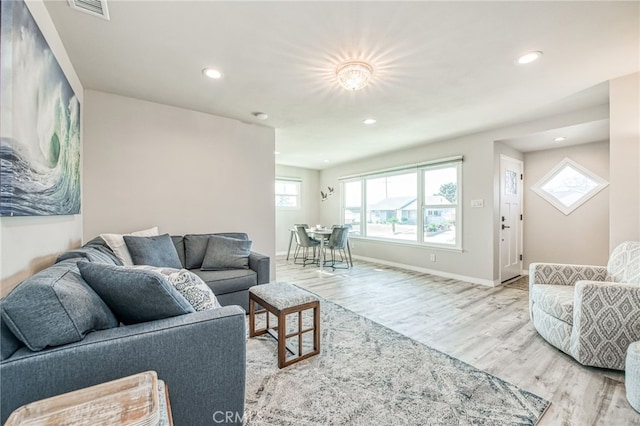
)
(226, 253)
(133, 294)
(195, 246)
(119, 247)
(154, 251)
(55, 307)
(191, 286)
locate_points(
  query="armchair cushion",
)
(555, 300)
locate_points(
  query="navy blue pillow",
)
(153, 251)
(134, 294)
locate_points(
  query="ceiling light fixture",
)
(560, 139)
(369, 121)
(529, 57)
(212, 73)
(260, 115)
(354, 75)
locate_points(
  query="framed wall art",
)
(40, 123)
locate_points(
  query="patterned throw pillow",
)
(189, 285)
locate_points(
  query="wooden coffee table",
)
(282, 299)
(138, 400)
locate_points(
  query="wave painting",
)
(40, 133)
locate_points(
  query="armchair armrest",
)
(564, 274)
(261, 264)
(606, 319)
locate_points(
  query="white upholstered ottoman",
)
(282, 299)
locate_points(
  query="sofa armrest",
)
(201, 356)
(261, 264)
(564, 274)
(606, 319)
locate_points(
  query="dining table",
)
(321, 234)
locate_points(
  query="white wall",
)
(309, 211)
(29, 244)
(581, 237)
(624, 196)
(148, 164)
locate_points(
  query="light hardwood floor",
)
(486, 327)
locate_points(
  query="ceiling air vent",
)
(92, 7)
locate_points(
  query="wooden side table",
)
(282, 299)
(138, 400)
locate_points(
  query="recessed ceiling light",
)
(325, 161)
(369, 121)
(260, 115)
(528, 57)
(560, 139)
(212, 73)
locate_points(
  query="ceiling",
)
(441, 69)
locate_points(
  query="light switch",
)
(477, 203)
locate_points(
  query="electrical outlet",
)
(433, 257)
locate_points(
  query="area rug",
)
(368, 374)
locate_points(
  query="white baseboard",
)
(488, 283)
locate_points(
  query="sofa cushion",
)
(154, 251)
(555, 300)
(92, 254)
(178, 243)
(133, 294)
(190, 286)
(9, 343)
(226, 253)
(119, 247)
(229, 281)
(195, 246)
(55, 307)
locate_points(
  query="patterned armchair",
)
(589, 312)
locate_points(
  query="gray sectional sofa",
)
(58, 335)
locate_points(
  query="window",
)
(440, 204)
(352, 206)
(287, 193)
(418, 204)
(568, 185)
(391, 206)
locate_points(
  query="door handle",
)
(505, 226)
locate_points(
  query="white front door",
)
(510, 218)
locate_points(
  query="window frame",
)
(538, 187)
(298, 195)
(420, 170)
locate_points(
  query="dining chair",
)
(304, 243)
(338, 241)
